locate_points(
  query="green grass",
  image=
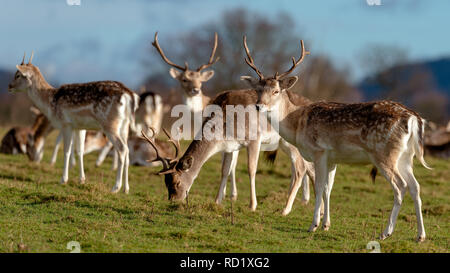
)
(40, 215)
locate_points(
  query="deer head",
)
(190, 80)
(25, 76)
(270, 88)
(174, 169)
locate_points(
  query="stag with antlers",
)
(191, 82)
(383, 133)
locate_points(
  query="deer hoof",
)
(63, 181)
(384, 236)
(312, 228)
(326, 227)
(421, 239)
(115, 190)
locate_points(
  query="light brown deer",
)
(17, 139)
(191, 83)
(108, 106)
(180, 172)
(383, 133)
(149, 114)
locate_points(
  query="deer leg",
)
(406, 170)
(399, 188)
(115, 161)
(73, 161)
(104, 152)
(297, 172)
(55, 150)
(121, 148)
(227, 159)
(305, 190)
(326, 198)
(79, 137)
(67, 137)
(233, 176)
(124, 136)
(321, 175)
(253, 154)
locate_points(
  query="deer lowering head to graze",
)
(180, 172)
(108, 106)
(20, 140)
(191, 80)
(383, 133)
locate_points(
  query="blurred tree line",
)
(272, 41)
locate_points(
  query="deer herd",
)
(316, 136)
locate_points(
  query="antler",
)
(176, 144)
(211, 58)
(23, 59)
(156, 45)
(31, 58)
(294, 63)
(163, 160)
(250, 62)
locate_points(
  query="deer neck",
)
(41, 93)
(287, 115)
(201, 151)
(195, 103)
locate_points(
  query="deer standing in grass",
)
(191, 82)
(108, 106)
(383, 133)
(148, 114)
(181, 172)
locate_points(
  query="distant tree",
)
(273, 42)
(321, 80)
(402, 81)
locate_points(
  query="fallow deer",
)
(149, 114)
(180, 172)
(17, 139)
(191, 83)
(383, 133)
(108, 106)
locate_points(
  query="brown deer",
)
(383, 133)
(180, 172)
(17, 139)
(108, 106)
(191, 82)
(148, 114)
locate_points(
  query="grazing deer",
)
(17, 139)
(383, 133)
(180, 172)
(108, 106)
(149, 114)
(191, 82)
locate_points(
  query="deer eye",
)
(276, 92)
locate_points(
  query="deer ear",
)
(288, 82)
(174, 73)
(250, 80)
(186, 164)
(23, 70)
(207, 75)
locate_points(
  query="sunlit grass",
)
(43, 216)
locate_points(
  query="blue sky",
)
(106, 39)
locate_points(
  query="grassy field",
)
(37, 214)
